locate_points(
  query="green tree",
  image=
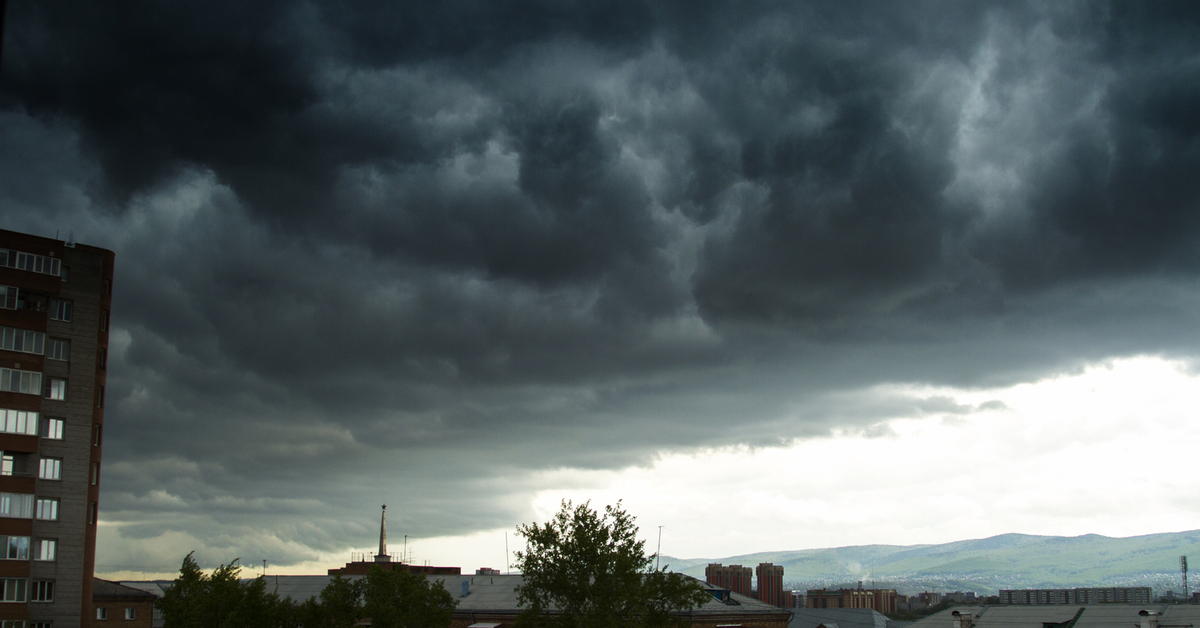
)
(587, 570)
(221, 600)
(392, 599)
(398, 599)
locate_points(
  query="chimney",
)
(965, 620)
(1149, 618)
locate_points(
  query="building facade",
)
(736, 578)
(55, 303)
(1097, 595)
(770, 585)
(880, 600)
(114, 604)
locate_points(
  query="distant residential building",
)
(115, 604)
(879, 600)
(736, 578)
(1099, 595)
(770, 584)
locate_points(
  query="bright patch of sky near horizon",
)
(1080, 453)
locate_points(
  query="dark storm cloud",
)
(423, 249)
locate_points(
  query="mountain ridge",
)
(1002, 561)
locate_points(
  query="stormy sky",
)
(469, 258)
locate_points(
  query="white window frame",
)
(22, 340)
(14, 589)
(18, 422)
(59, 349)
(16, 505)
(45, 550)
(53, 428)
(56, 389)
(46, 509)
(130, 613)
(18, 381)
(41, 591)
(62, 311)
(8, 298)
(31, 262)
(101, 613)
(50, 468)
(14, 548)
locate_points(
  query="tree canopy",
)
(583, 569)
(392, 599)
(221, 600)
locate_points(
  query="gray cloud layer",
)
(413, 252)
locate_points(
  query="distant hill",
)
(1007, 561)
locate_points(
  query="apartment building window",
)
(104, 320)
(130, 613)
(22, 340)
(29, 261)
(96, 434)
(52, 428)
(13, 380)
(103, 361)
(16, 505)
(107, 286)
(61, 310)
(59, 349)
(12, 589)
(36, 624)
(50, 469)
(93, 513)
(56, 388)
(101, 613)
(18, 422)
(45, 549)
(41, 591)
(95, 474)
(14, 547)
(8, 297)
(47, 509)
(99, 396)
(13, 463)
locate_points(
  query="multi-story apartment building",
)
(736, 578)
(881, 600)
(1090, 595)
(55, 299)
(770, 585)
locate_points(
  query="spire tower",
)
(382, 556)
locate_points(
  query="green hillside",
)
(1009, 561)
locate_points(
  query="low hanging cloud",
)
(418, 253)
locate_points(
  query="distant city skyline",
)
(777, 276)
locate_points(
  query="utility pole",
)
(658, 552)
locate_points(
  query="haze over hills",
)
(1007, 561)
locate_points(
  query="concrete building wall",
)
(84, 281)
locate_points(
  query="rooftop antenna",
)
(507, 569)
(1183, 568)
(658, 552)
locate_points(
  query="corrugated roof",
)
(485, 593)
(842, 617)
(1093, 616)
(108, 588)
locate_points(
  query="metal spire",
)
(382, 556)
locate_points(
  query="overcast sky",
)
(780, 275)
